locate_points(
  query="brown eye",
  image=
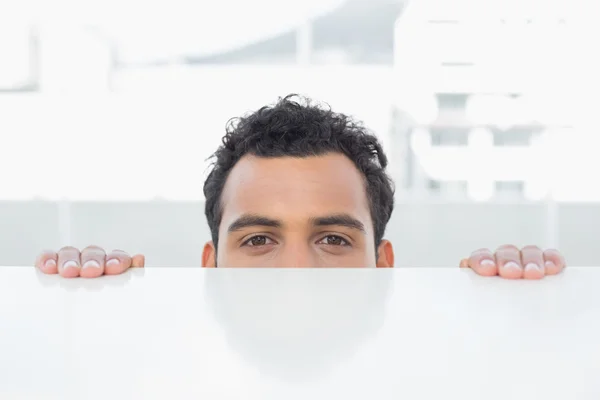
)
(334, 240)
(258, 240)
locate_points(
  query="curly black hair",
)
(297, 127)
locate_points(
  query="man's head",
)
(296, 184)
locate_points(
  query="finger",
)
(554, 262)
(483, 263)
(532, 259)
(47, 262)
(92, 262)
(117, 262)
(69, 262)
(508, 259)
(138, 261)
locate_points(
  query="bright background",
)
(109, 109)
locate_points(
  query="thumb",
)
(138, 261)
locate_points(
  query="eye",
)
(334, 240)
(258, 240)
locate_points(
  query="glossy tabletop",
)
(405, 333)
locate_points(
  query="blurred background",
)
(109, 110)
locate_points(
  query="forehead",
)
(289, 187)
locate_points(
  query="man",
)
(297, 185)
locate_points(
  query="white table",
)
(189, 333)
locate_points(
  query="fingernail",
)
(549, 264)
(50, 264)
(487, 263)
(533, 267)
(70, 264)
(91, 264)
(512, 265)
(112, 262)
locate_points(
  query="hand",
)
(91, 262)
(509, 262)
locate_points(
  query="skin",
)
(299, 212)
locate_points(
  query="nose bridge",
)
(297, 253)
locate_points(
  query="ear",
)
(385, 257)
(208, 256)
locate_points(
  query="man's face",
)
(296, 212)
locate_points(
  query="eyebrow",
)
(249, 220)
(253, 220)
(345, 220)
